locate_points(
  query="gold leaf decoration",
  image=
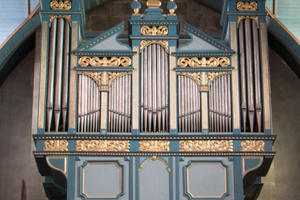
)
(103, 145)
(253, 145)
(86, 61)
(205, 145)
(154, 146)
(66, 17)
(60, 5)
(96, 76)
(154, 30)
(163, 43)
(246, 6)
(203, 62)
(56, 145)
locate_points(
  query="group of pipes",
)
(189, 105)
(154, 89)
(220, 103)
(250, 76)
(88, 118)
(119, 106)
(58, 75)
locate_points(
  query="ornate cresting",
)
(180, 109)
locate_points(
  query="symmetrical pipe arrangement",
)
(220, 103)
(154, 89)
(58, 75)
(250, 76)
(119, 105)
(88, 118)
(189, 104)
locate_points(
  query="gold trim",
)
(253, 145)
(86, 61)
(213, 75)
(66, 17)
(252, 168)
(195, 76)
(96, 76)
(103, 145)
(154, 30)
(205, 163)
(56, 145)
(282, 26)
(255, 18)
(154, 158)
(153, 3)
(246, 6)
(64, 171)
(114, 75)
(163, 43)
(205, 145)
(102, 163)
(203, 62)
(154, 146)
(60, 5)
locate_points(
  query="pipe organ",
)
(154, 89)
(160, 116)
(58, 75)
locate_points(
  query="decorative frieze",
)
(246, 6)
(86, 61)
(205, 145)
(103, 145)
(56, 145)
(154, 30)
(203, 62)
(253, 145)
(60, 5)
(154, 146)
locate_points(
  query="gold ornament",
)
(60, 5)
(154, 30)
(56, 145)
(204, 62)
(103, 145)
(100, 62)
(253, 145)
(246, 6)
(145, 43)
(205, 145)
(154, 145)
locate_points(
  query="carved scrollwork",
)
(60, 5)
(153, 158)
(205, 145)
(163, 43)
(103, 145)
(86, 61)
(246, 6)
(154, 146)
(154, 30)
(203, 62)
(253, 145)
(96, 76)
(56, 145)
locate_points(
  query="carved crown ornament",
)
(100, 62)
(154, 30)
(203, 62)
(60, 5)
(246, 6)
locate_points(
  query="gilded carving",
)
(66, 17)
(113, 75)
(153, 158)
(246, 6)
(103, 145)
(56, 145)
(154, 30)
(60, 5)
(96, 76)
(163, 43)
(154, 145)
(204, 78)
(213, 75)
(253, 145)
(193, 75)
(255, 18)
(100, 62)
(153, 3)
(203, 62)
(206, 145)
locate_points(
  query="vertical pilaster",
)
(266, 77)
(135, 92)
(235, 79)
(104, 102)
(73, 82)
(173, 90)
(43, 76)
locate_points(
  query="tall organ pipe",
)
(65, 91)
(258, 104)
(51, 70)
(249, 65)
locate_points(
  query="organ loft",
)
(159, 110)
